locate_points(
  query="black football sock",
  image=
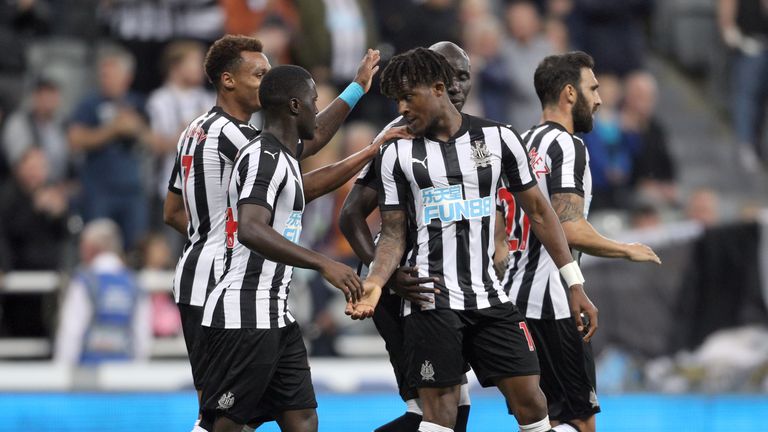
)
(408, 422)
(462, 418)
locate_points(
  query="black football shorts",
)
(567, 369)
(254, 375)
(494, 341)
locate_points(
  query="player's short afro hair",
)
(419, 66)
(281, 84)
(224, 55)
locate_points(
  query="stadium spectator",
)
(33, 215)
(653, 169)
(104, 315)
(610, 157)
(156, 257)
(39, 124)
(405, 24)
(245, 17)
(525, 47)
(703, 207)
(644, 216)
(170, 109)
(107, 127)
(334, 34)
(612, 32)
(483, 43)
(33, 231)
(144, 27)
(20, 21)
(276, 35)
(744, 26)
(556, 32)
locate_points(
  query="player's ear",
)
(438, 88)
(227, 81)
(293, 105)
(570, 93)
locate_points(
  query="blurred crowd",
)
(93, 98)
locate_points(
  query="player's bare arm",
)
(257, 235)
(328, 178)
(360, 202)
(389, 252)
(501, 253)
(174, 212)
(584, 237)
(331, 118)
(546, 226)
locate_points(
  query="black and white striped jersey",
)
(204, 159)
(254, 290)
(452, 187)
(560, 162)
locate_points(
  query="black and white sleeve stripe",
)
(174, 184)
(393, 194)
(568, 161)
(514, 161)
(261, 182)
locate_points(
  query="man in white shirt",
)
(104, 315)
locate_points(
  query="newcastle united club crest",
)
(427, 372)
(480, 154)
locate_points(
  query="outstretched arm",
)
(360, 202)
(256, 234)
(583, 236)
(389, 252)
(330, 119)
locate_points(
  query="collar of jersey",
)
(462, 130)
(273, 139)
(221, 111)
(556, 125)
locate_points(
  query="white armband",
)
(572, 274)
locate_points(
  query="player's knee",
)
(224, 424)
(584, 425)
(529, 407)
(443, 414)
(304, 421)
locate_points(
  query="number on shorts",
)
(524, 328)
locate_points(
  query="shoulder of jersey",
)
(484, 122)
(399, 121)
(253, 145)
(568, 138)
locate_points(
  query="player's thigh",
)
(567, 369)
(191, 325)
(241, 363)
(434, 347)
(290, 388)
(498, 345)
